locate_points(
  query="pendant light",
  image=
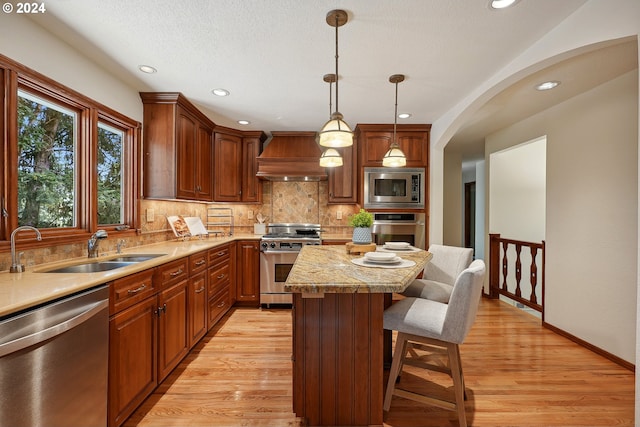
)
(330, 157)
(336, 132)
(395, 158)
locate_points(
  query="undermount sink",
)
(90, 267)
(104, 265)
(134, 257)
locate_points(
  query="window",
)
(46, 163)
(70, 165)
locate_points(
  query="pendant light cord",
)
(395, 117)
(337, 63)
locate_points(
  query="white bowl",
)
(379, 256)
(397, 245)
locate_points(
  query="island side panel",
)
(338, 359)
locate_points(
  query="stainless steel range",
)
(278, 251)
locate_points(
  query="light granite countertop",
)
(328, 269)
(20, 291)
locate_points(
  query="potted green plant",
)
(362, 222)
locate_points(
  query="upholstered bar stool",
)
(431, 324)
(440, 273)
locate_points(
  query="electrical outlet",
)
(339, 215)
(150, 215)
(249, 214)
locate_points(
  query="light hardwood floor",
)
(516, 373)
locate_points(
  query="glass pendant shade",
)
(330, 158)
(335, 133)
(394, 158)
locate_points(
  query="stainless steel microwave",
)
(394, 188)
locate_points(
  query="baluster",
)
(518, 269)
(505, 266)
(534, 275)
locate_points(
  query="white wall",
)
(29, 44)
(592, 212)
(517, 182)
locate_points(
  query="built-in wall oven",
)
(399, 227)
(278, 251)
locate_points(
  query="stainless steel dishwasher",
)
(53, 363)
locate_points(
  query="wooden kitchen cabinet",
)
(133, 372)
(235, 168)
(248, 272)
(173, 330)
(177, 147)
(221, 292)
(197, 297)
(343, 180)
(374, 141)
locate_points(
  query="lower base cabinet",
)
(133, 372)
(173, 336)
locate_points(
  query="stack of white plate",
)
(397, 246)
(382, 257)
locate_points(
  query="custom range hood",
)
(291, 156)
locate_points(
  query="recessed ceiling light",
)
(404, 115)
(501, 4)
(147, 69)
(244, 122)
(220, 92)
(547, 85)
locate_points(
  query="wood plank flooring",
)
(516, 372)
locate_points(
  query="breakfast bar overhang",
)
(338, 333)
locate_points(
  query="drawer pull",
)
(221, 253)
(136, 290)
(175, 273)
(221, 276)
(199, 290)
(201, 262)
(221, 304)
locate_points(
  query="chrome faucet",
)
(92, 245)
(16, 267)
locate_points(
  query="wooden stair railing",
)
(499, 263)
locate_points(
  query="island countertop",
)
(328, 269)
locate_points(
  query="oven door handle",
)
(274, 252)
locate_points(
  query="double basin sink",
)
(103, 265)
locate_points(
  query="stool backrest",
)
(447, 263)
(463, 304)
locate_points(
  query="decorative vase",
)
(362, 235)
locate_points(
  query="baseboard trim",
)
(589, 346)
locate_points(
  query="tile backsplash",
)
(282, 202)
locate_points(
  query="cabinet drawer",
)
(218, 306)
(198, 262)
(219, 254)
(172, 272)
(218, 277)
(129, 290)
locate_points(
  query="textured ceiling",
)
(272, 55)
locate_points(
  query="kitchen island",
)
(338, 333)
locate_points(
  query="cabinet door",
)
(132, 358)
(374, 145)
(248, 272)
(343, 180)
(251, 185)
(197, 307)
(204, 162)
(414, 145)
(228, 168)
(173, 342)
(186, 151)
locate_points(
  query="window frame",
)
(14, 76)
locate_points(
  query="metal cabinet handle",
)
(221, 276)
(221, 304)
(175, 273)
(162, 309)
(201, 262)
(221, 253)
(136, 290)
(199, 290)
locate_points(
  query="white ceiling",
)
(272, 55)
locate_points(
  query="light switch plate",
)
(150, 215)
(339, 215)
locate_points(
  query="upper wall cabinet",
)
(235, 168)
(343, 180)
(374, 141)
(177, 147)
